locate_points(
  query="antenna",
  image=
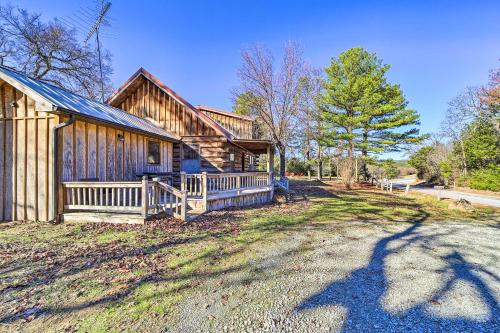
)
(95, 30)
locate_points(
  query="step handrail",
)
(166, 198)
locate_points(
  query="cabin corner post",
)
(204, 189)
(144, 195)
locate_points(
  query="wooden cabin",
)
(213, 140)
(146, 152)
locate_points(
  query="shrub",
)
(296, 166)
(486, 179)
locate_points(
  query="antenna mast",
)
(95, 30)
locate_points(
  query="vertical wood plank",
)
(91, 150)
(102, 159)
(67, 155)
(128, 174)
(80, 162)
(110, 151)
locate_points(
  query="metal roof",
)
(67, 101)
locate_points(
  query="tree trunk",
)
(349, 167)
(320, 164)
(282, 162)
(308, 158)
(364, 156)
(464, 161)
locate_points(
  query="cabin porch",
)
(137, 201)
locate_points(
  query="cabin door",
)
(191, 158)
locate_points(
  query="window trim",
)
(159, 152)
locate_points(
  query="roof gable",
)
(121, 91)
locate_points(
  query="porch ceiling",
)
(254, 146)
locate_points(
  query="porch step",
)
(103, 217)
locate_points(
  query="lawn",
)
(101, 278)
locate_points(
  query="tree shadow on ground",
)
(362, 293)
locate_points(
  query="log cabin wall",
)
(215, 154)
(145, 99)
(91, 150)
(25, 157)
(241, 128)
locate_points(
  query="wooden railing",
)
(145, 197)
(103, 196)
(237, 181)
(200, 185)
(192, 183)
(281, 181)
(165, 198)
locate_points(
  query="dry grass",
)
(98, 277)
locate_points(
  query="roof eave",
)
(116, 125)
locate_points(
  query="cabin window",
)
(191, 152)
(153, 152)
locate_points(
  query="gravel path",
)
(358, 278)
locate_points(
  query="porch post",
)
(145, 196)
(183, 180)
(204, 188)
(184, 205)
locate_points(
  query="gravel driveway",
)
(360, 277)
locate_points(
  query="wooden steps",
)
(100, 217)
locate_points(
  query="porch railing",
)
(103, 196)
(281, 181)
(163, 197)
(147, 197)
(200, 185)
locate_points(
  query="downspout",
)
(55, 163)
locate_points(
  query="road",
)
(451, 194)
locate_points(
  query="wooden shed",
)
(49, 135)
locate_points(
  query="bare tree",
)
(275, 92)
(309, 117)
(462, 110)
(50, 51)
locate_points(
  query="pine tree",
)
(362, 111)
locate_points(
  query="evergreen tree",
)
(362, 110)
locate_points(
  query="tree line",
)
(466, 151)
(347, 112)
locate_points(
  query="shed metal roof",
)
(64, 100)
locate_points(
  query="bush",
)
(296, 166)
(486, 179)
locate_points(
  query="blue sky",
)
(435, 48)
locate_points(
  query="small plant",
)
(486, 179)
